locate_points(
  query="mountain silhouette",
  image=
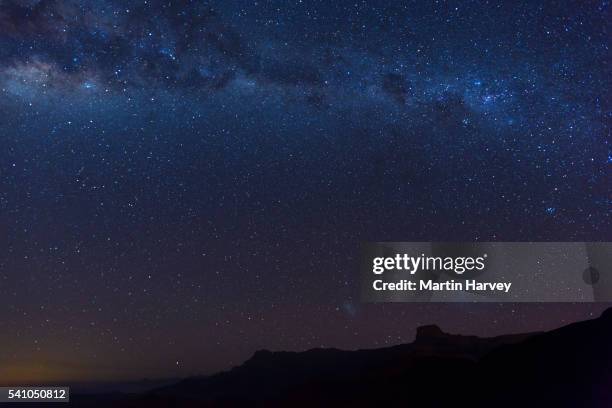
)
(567, 367)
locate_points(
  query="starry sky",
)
(185, 182)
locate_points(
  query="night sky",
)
(185, 182)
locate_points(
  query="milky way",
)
(182, 183)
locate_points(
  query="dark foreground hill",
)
(567, 367)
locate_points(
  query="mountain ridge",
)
(566, 367)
